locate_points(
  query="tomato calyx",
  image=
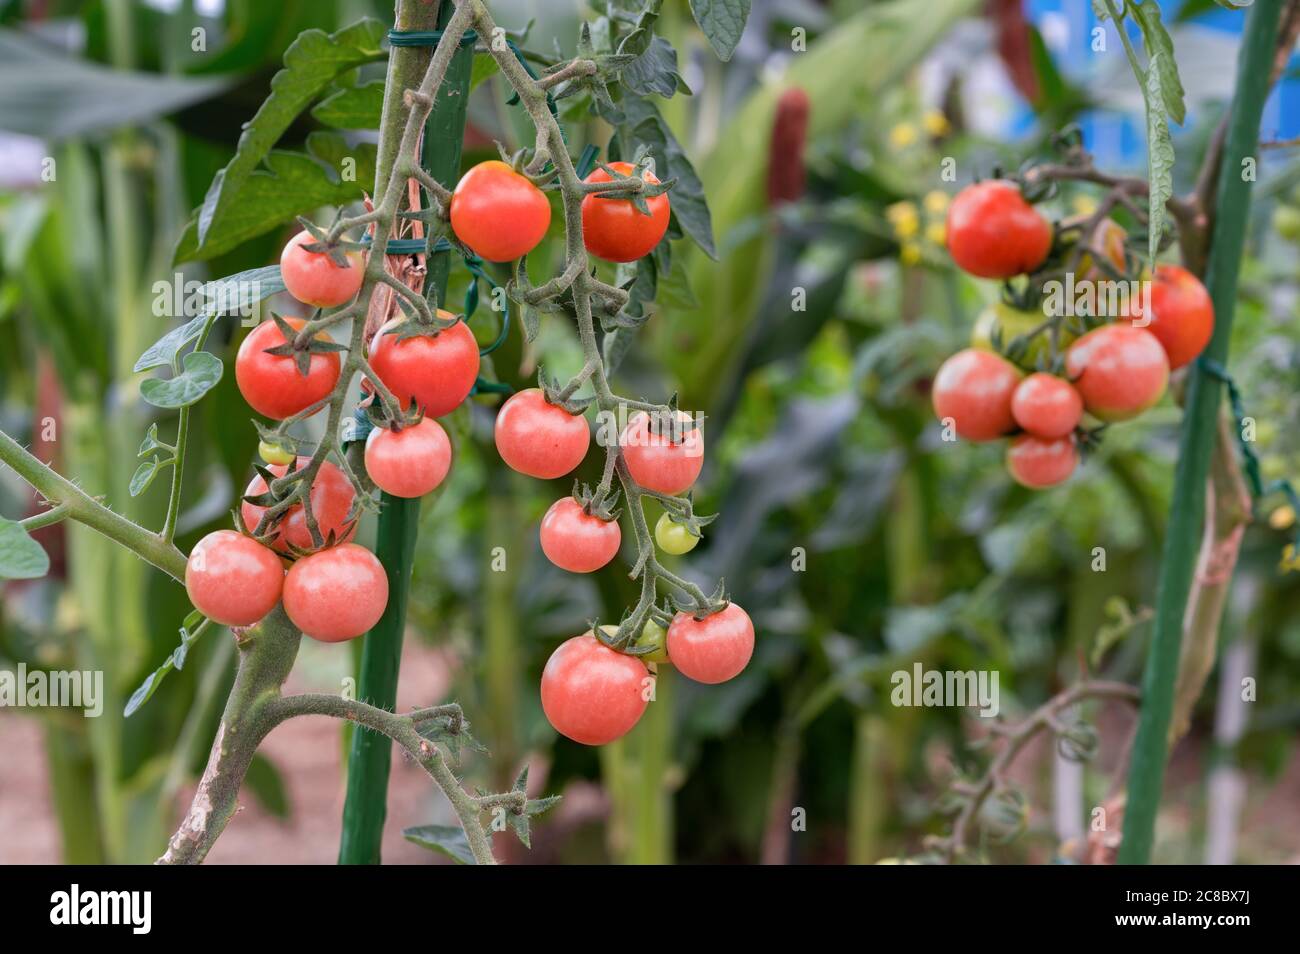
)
(285, 492)
(337, 250)
(301, 348)
(563, 397)
(597, 503)
(632, 186)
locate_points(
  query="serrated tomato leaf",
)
(723, 22)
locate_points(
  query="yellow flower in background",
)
(910, 254)
(902, 135)
(937, 233)
(1289, 559)
(936, 202)
(904, 217)
(936, 123)
(1084, 204)
(1282, 517)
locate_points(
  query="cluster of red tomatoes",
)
(1036, 395)
(593, 693)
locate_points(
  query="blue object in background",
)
(1118, 139)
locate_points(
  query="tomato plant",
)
(435, 370)
(498, 213)
(315, 277)
(591, 693)
(1119, 371)
(615, 229)
(232, 579)
(713, 649)
(663, 456)
(409, 462)
(538, 438)
(992, 232)
(275, 384)
(332, 500)
(336, 594)
(576, 540)
(973, 389)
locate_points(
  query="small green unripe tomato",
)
(652, 634)
(673, 537)
(1286, 222)
(274, 453)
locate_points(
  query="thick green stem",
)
(1146, 773)
(370, 754)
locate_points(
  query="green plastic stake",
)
(1150, 747)
(370, 754)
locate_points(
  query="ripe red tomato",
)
(1046, 405)
(1038, 462)
(314, 279)
(713, 649)
(658, 462)
(614, 229)
(994, 233)
(332, 495)
(232, 579)
(974, 388)
(498, 213)
(336, 594)
(591, 693)
(1119, 371)
(577, 541)
(410, 462)
(1182, 314)
(271, 384)
(538, 438)
(436, 371)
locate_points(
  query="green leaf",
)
(143, 476)
(150, 442)
(1160, 156)
(55, 97)
(21, 557)
(723, 21)
(444, 839)
(356, 107)
(689, 205)
(164, 350)
(293, 184)
(311, 63)
(654, 71)
(485, 67)
(268, 785)
(200, 374)
(189, 634)
(1160, 55)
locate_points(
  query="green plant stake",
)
(370, 753)
(1150, 748)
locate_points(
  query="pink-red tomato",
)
(436, 371)
(332, 495)
(591, 693)
(232, 579)
(713, 649)
(498, 213)
(973, 388)
(271, 384)
(410, 462)
(1038, 462)
(578, 541)
(1118, 370)
(538, 438)
(336, 594)
(661, 457)
(1046, 405)
(314, 279)
(1182, 314)
(993, 232)
(614, 229)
